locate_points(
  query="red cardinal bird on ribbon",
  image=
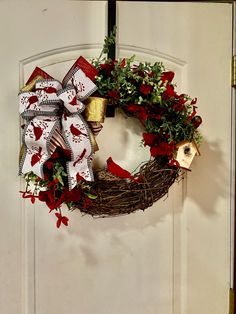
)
(36, 157)
(73, 102)
(76, 131)
(32, 100)
(48, 90)
(37, 131)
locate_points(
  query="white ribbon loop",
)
(43, 101)
(69, 97)
(84, 85)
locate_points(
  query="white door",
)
(174, 257)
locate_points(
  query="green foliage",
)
(108, 42)
(59, 173)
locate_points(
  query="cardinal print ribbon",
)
(56, 108)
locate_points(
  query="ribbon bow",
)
(55, 108)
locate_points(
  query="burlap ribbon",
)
(55, 108)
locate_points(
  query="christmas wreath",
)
(62, 120)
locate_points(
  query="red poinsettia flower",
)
(145, 89)
(61, 219)
(167, 76)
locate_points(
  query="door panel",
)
(175, 256)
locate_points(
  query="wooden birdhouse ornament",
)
(186, 151)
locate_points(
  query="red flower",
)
(190, 117)
(61, 219)
(61, 153)
(122, 64)
(139, 111)
(167, 76)
(145, 89)
(142, 114)
(53, 183)
(28, 194)
(151, 74)
(72, 196)
(163, 149)
(179, 102)
(108, 67)
(150, 139)
(113, 94)
(196, 121)
(48, 164)
(178, 107)
(55, 155)
(194, 100)
(87, 202)
(169, 92)
(48, 197)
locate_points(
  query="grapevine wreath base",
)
(62, 120)
(118, 196)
